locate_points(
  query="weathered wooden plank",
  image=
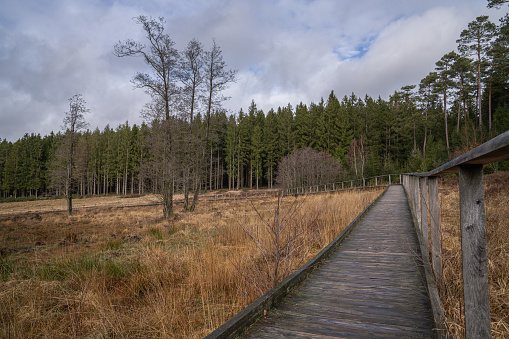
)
(474, 256)
(435, 232)
(338, 327)
(353, 308)
(423, 183)
(364, 315)
(417, 200)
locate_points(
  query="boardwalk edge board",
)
(239, 323)
(431, 286)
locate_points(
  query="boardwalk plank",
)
(373, 286)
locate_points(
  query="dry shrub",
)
(497, 237)
(128, 273)
(288, 231)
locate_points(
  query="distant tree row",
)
(189, 144)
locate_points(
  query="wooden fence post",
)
(423, 183)
(416, 199)
(435, 233)
(473, 248)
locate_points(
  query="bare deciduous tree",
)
(307, 167)
(65, 154)
(280, 234)
(191, 75)
(160, 55)
(357, 155)
(161, 85)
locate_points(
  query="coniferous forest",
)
(189, 144)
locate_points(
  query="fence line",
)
(371, 182)
(422, 191)
(362, 183)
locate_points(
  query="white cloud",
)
(286, 51)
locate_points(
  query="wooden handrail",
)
(494, 150)
(422, 191)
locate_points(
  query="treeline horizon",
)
(462, 103)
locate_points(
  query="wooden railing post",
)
(473, 247)
(435, 233)
(417, 200)
(405, 182)
(423, 183)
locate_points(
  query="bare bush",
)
(281, 234)
(307, 167)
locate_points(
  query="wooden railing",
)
(422, 190)
(378, 181)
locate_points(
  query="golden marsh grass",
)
(128, 273)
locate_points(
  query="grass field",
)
(128, 273)
(110, 272)
(100, 201)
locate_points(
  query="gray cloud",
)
(285, 51)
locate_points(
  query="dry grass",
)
(50, 205)
(127, 273)
(497, 215)
(109, 201)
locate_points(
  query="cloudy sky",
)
(285, 51)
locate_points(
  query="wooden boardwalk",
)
(373, 286)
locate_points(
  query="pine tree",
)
(444, 82)
(231, 150)
(12, 170)
(318, 126)
(476, 40)
(285, 130)
(426, 97)
(4, 153)
(257, 144)
(272, 144)
(303, 126)
(499, 54)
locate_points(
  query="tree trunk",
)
(238, 168)
(196, 194)
(251, 175)
(479, 84)
(186, 190)
(445, 119)
(211, 175)
(218, 170)
(489, 105)
(68, 189)
(167, 199)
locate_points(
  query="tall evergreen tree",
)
(444, 69)
(303, 126)
(475, 41)
(272, 145)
